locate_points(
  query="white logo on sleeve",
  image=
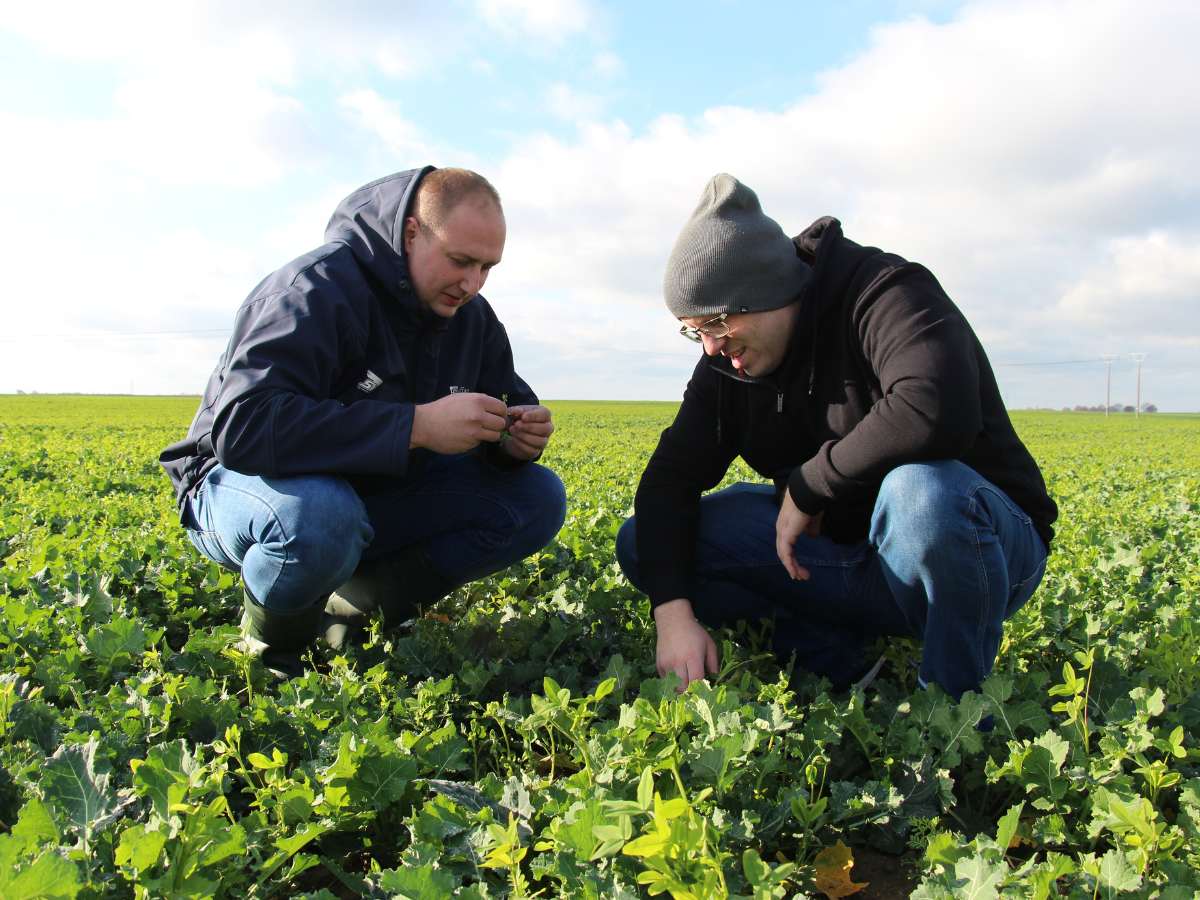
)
(370, 382)
(459, 389)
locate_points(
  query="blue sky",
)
(1039, 157)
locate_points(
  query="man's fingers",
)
(531, 413)
(682, 671)
(489, 421)
(711, 660)
(534, 443)
(524, 426)
(518, 449)
(493, 405)
(784, 551)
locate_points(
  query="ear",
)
(411, 227)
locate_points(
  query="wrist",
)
(417, 433)
(673, 613)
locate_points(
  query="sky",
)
(1041, 158)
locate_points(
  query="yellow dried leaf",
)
(833, 866)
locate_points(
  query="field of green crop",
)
(515, 741)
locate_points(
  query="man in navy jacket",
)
(364, 443)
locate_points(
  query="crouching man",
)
(365, 434)
(903, 502)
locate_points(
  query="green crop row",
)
(516, 742)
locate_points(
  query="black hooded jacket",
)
(882, 370)
(330, 353)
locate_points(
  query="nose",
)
(712, 345)
(472, 281)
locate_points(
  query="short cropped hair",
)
(444, 189)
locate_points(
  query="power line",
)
(1057, 362)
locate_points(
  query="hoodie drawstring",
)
(720, 392)
(812, 357)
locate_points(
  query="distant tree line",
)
(1115, 408)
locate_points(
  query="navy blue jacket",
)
(330, 353)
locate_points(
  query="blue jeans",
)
(298, 538)
(948, 559)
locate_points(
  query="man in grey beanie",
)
(902, 501)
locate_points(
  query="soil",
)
(888, 877)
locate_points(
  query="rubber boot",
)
(395, 587)
(279, 638)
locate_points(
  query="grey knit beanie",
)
(730, 257)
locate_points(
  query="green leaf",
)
(1006, 828)
(417, 883)
(165, 775)
(50, 877)
(944, 849)
(139, 848)
(440, 818)
(604, 688)
(117, 642)
(755, 869)
(382, 779)
(72, 786)
(1117, 874)
(978, 879)
(35, 826)
(645, 794)
(646, 845)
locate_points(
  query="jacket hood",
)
(371, 223)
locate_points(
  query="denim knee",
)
(548, 506)
(626, 550)
(325, 529)
(917, 503)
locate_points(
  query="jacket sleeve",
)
(499, 378)
(921, 351)
(275, 413)
(692, 457)
(497, 375)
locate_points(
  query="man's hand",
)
(457, 423)
(529, 431)
(790, 525)
(684, 645)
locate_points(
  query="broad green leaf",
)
(165, 775)
(118, 641)
(1117, 875)
(978, 879)
(72, 786)
(139, 848)
(421, 883)
(381, 779)
(50, 877)
(944, 848)
(34, 825)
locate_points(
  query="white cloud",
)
(1039, 157)
(400, 136)
(549, 20)
(571, 105)
(1147, 285)
(1010, 150)
(608, 64)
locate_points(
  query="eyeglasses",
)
(715, 328)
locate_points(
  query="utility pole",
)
(1108, 361)
(1138, 357)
